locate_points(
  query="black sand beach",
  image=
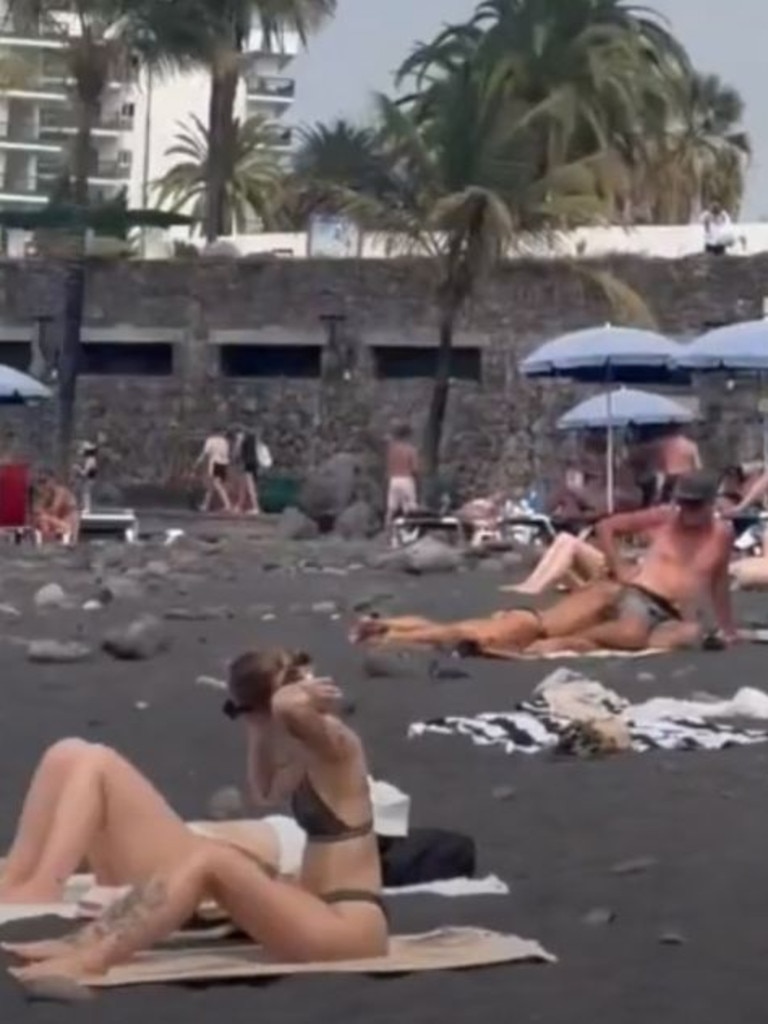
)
(688, 939)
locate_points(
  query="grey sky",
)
(357, 53)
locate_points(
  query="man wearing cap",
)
(650, 605)
(685, 565)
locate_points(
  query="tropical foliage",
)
(533, 117)
(251, 188)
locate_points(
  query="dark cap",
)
(698, 488)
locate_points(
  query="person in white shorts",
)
(402, 470)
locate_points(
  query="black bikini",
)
(323, 826)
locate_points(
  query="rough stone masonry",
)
(323, 355)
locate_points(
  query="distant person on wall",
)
(718, 230)
(215, 457)
(252, 455)
(402, 470)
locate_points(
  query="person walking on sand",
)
(402, 470)
(246, 455)
(215, 457)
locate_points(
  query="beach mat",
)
(446, 949)
(501, 654)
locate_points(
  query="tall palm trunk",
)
(74, 286)
(438, 405)
(221, 127)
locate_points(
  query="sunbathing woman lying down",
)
(297, 745)
(648, 606)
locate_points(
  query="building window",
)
(131, 359)
(297, 361)
(128, 110)
(125, 158)
(401, 362)
(17, 354)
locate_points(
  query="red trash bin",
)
(14, 496)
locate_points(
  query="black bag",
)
(426, 855)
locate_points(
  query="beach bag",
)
(425, 855)
(264, 456)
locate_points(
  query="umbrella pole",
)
(609, 455)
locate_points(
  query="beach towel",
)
(83, 899)
(446, 949)
(530, 727)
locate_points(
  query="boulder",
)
(226, 804)
(295, 525)
(50, 596)
(330, 488)
(357, 522)
(55, 652)
(430, 555)
(141, 640)
(120, 588)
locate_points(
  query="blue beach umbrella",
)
(17, 387)
(740, 349)
(625, 407)
(622, 355)
(608, 355)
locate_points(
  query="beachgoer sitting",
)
(298, 745)
(652, 605)
(55, 514)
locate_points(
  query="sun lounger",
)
(112, 522)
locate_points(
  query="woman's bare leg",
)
(568, 555)
(44, 793)
(221, 493)
(252, 493)
(105, 813)
(289, 922)
(750, 573)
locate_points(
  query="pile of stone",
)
(343, 496)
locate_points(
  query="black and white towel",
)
(531, 728)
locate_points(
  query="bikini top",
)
(318, 820)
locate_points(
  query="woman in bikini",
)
(298, 745)
(88, 805)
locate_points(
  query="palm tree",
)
(695, 155)
(109, 34)
(224, 29)
(465, 176)
(253, 187)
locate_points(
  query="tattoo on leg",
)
(125, 914)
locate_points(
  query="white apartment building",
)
(139, 119)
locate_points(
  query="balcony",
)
(24, 193)
(270, 88)
(25, 137)
(52, 123)
(107, 171)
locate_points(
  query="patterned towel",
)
(531, 728)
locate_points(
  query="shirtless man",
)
(402, 469)
(687, 562)
(652, 605)
(56, 516)
(215, 456)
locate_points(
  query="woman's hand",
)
(318, 695)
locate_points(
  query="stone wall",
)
(498, 426)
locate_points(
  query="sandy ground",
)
(702, 818)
